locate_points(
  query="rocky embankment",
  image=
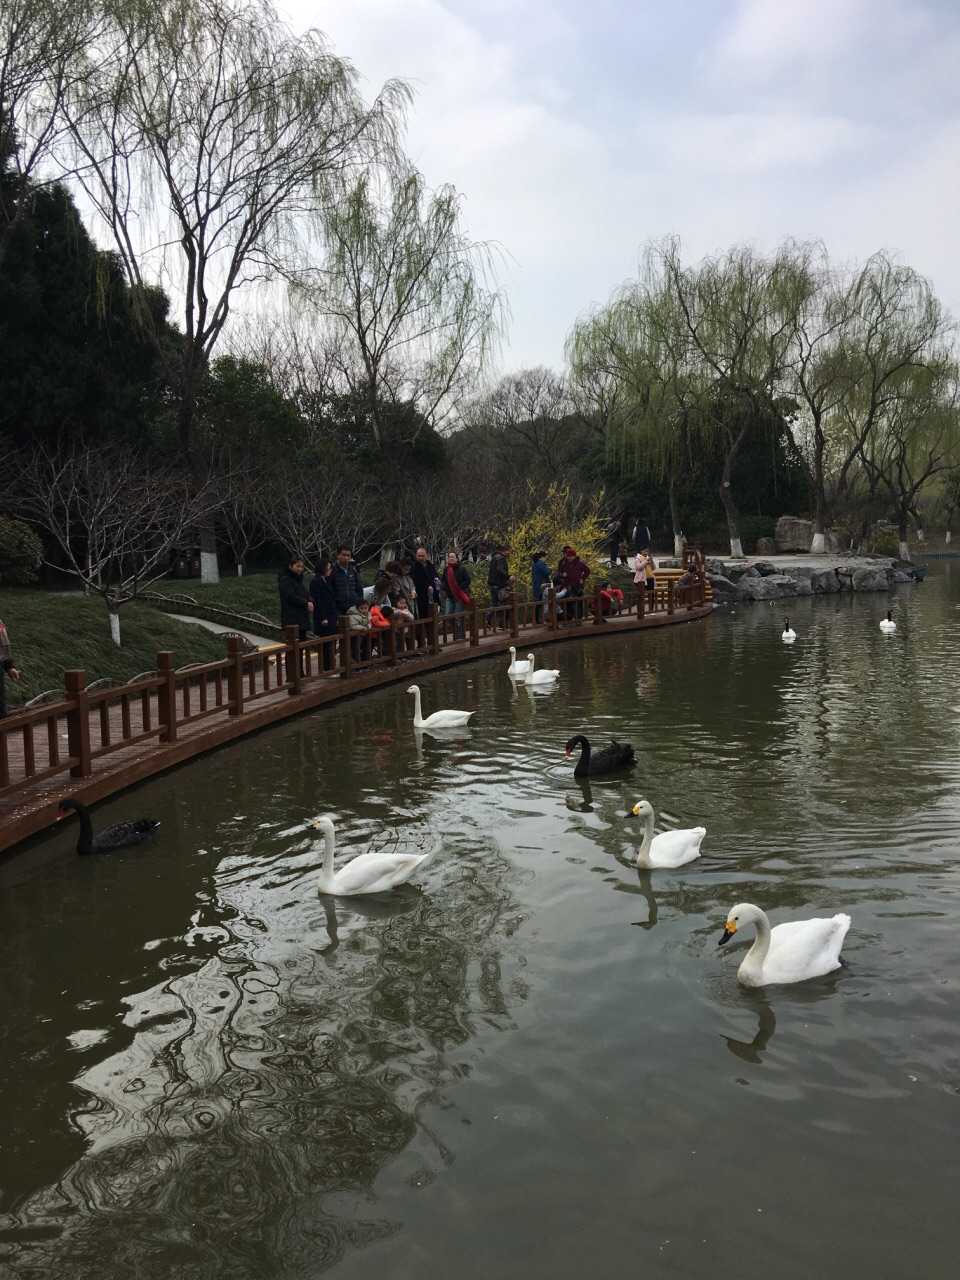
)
(764, 580)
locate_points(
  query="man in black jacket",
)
(295, 603)
(346, 583)
(641, 536)
(499, 578)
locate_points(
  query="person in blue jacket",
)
(346, 583)
(540, 575)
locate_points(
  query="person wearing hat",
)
(499, 578)
(573, 575)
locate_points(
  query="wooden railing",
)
(69, 736)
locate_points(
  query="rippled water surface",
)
(535, 1062)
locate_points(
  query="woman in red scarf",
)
(456, 583)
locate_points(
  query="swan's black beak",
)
(729, 930)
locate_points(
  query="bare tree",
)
(310, 508)
(114, 517)
(211, 116)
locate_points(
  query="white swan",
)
(439, 719)
(546, 676)
(670, 848)
(888, 623)
(789, 635)
(519, 670)
(366, 873)
(791, 952)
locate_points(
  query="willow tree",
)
(43, 61)
(915, 437)
(205, 134)
(402, 297)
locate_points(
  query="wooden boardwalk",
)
(95, 743)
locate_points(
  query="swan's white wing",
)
(375, 872)
(447, 719)
(804, 949)
(674, 848)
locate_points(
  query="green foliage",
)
(752, 528)
(240, 409)
(20, 553)
(72, 359)
(51, 633)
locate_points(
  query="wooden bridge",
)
(94, 743)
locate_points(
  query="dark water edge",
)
(534, 1062)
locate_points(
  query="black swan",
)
(619, 755)
(118, 836)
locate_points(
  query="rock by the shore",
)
(764, 580)
(766, 547)
(793, 534)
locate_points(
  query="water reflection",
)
(257, 1084)
(750, 1051)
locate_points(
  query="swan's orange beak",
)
(730, 928)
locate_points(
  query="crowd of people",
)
(404, 589)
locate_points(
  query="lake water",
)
(536, 1062)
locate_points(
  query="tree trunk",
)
(904, 545)
(733, 520)
(239, 568)
(114, 622)
(209, 566)
(674, 515)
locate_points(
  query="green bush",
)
(21, 552)
(752, 529)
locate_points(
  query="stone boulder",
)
(802, 575)
(874, 579)
(898, 576)
(766, 547)
(764, 568)
(786, 585)
(825, 582)
(793, 534)
(757, 588)
(724, 591)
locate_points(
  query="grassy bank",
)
(254, 593)
(49, 633)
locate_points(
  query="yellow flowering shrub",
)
(554, 521)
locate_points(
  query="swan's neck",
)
(417, 714)
(531, 668)
(753, 962)
(326, 871)
(85, 842)
(643, 853)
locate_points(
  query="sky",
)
(578, 130)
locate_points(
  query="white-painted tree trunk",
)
(388, 552)
(817, 546)
(678, 544)
(921, 535)
(114, 626)
(209, 569)
(905, 552)
(736, 548)
(946, 537)
(239, 570)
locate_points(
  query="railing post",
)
(671, 597)
(390, 635)
(345, 659)
(292, 635)
(235, 675)
(474, 624)
(434, 631)
(551, 607)
(167, 696)
(78, 722)
(641, 598)
(597, 606)
(514, 618)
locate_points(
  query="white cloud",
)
(575, 136)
